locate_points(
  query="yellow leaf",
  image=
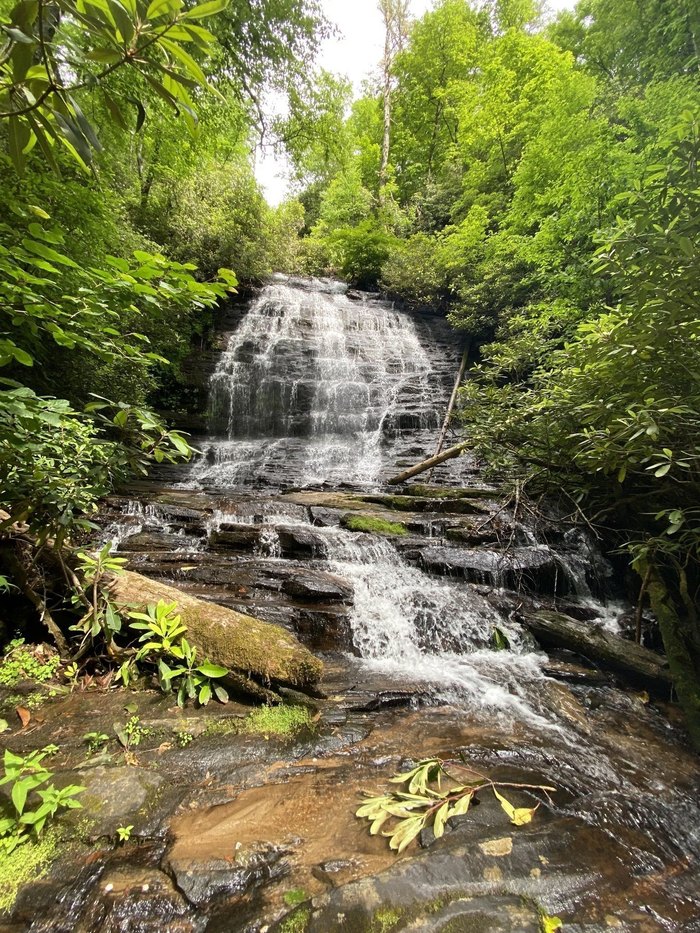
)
(440, 818)
(549, 924)
(517, 815)
(523, 815)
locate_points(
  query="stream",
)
(318, 398)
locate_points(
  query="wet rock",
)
(324, 629)
(421, 504)
(114, 796)
(300, 542)
(318, 586)
(531, 568)
(153, 541)
(393, 699)
(235, 537)
(334, 872)
(143, 900)
(472, 534)
(324, 518)
(203, 880)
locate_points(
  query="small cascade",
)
(315, 387)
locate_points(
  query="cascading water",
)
(314, 387)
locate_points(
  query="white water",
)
(309, 387)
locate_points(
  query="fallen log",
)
(258, 654)
(428, 464)
(636, 663)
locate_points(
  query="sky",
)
(354, 52)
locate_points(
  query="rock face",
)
(255, 651)
(318, 385)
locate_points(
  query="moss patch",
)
(370, 523)
(385, 919)
(296, 922)
(295, 897)
(28, 862)
(277, 720)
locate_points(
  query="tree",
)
(395, 17)
(53, 52)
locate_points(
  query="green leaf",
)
(212, 670)
(204, 695)
(209, 8)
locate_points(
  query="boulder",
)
(255, 652)
(317, 586)
(300, 541)
(235, 537)
(530, 568)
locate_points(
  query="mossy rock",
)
(442, 492)
(373, 525)
(256, 653)
(453, 506)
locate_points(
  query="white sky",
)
(354, 52)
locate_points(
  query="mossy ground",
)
(377, 526)
(296, 922)
(27, 863)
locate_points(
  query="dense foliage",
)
(127, 136)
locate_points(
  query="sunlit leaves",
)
(434, 795)
(38, 99)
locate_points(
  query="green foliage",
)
(373, 525)
(22, 662)
(124, 833)
(280, 720)
(163, 636)
(89, 42)
(361, 251)
(95, 741)
(183, 739)
(426, 803)
(23, 813)
(131, 732)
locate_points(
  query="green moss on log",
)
(256, 652)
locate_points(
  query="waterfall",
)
(317, 387)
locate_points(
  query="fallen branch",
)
(428, 464)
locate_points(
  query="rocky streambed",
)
(245, 824)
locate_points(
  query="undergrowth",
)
(28, 862)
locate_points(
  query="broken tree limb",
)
(453, 399)
(429, 463)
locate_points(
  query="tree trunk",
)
(679, 643)
(453, 399)
(638, 664)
